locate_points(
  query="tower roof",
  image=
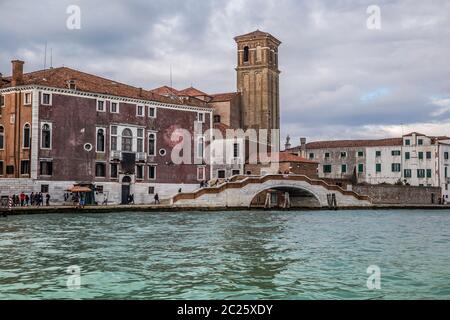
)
(256, 34)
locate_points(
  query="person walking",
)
(27, 200)
(157, 199)
(22, 199)
(47, 199)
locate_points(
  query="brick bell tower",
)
(258, 80)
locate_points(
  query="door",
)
(126, 184)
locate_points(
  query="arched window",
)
(151, 144)
(246, 53)
(127, 140)
(217, 119)
(26, 136)
(46, 136)
(100, 140)
(2, 137)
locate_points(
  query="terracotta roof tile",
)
(192, 92)
(59, 77)
(354, 143)
(221, 97)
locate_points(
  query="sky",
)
(340, 79)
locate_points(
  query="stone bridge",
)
(252, 192)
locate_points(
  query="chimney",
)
(1, 78)
(140, 92)
(302, 151)
(17, 73)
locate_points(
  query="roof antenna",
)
(45, 56)
(51, 58)
(171, 83)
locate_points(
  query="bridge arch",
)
(281, 196)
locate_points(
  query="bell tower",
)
(258, 80)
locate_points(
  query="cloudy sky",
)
(339, 79)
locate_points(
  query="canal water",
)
(226, 255)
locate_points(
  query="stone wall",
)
(390, 194)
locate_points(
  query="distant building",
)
(415, 159)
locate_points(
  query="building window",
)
(446, 155)
(2, 138)
(72, 84)
(236, 172)
(1, 168)
(114, 173)
(201, 176)
(446, 172)
(46, 136)
(360, 154)
(113, 138)
(396, 167)
(151, 112)
(140, 140)
(151, 190)
(201, 117)
(46, 99)
(420, 155)
(420, 142)
(344, 168)
(140, 172)
(221, 174)
(101, 106)
(114, 107)
(162, 152)
(327, 155)
(360, 168)
(46, 168)
(217, 119)
(152, 172)
(27, 98)
(311, 156)
(2, 101)
(378, 167)
(140, 111)
(396, 153)
(378, 154)
(152, 144)
(344, 154)
(236, 150)
(100, 170)
(429, 173)
(127, 140)
(26, 136)
(428, 155)
(87, 147)
(9, 170)
(407, 142)
(200, 147)
(100, 140)
(421, 173)
(44, 188)
(327, 168)
(407, 155)
(25, 167)
(246, 53)
(408, 173)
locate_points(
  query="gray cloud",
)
(339, 79)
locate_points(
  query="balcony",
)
(116, 156)
(141, 157)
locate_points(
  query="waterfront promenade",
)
(169, 208)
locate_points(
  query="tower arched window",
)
(100, 140)
(2, 137)
(127, 140)
(26, 136)
(246, 54)
(46, 136)
(152, 144)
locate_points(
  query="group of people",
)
(33, 199)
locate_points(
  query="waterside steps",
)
(272, 191)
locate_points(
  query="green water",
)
(227, 255)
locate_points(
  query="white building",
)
(415, 159)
